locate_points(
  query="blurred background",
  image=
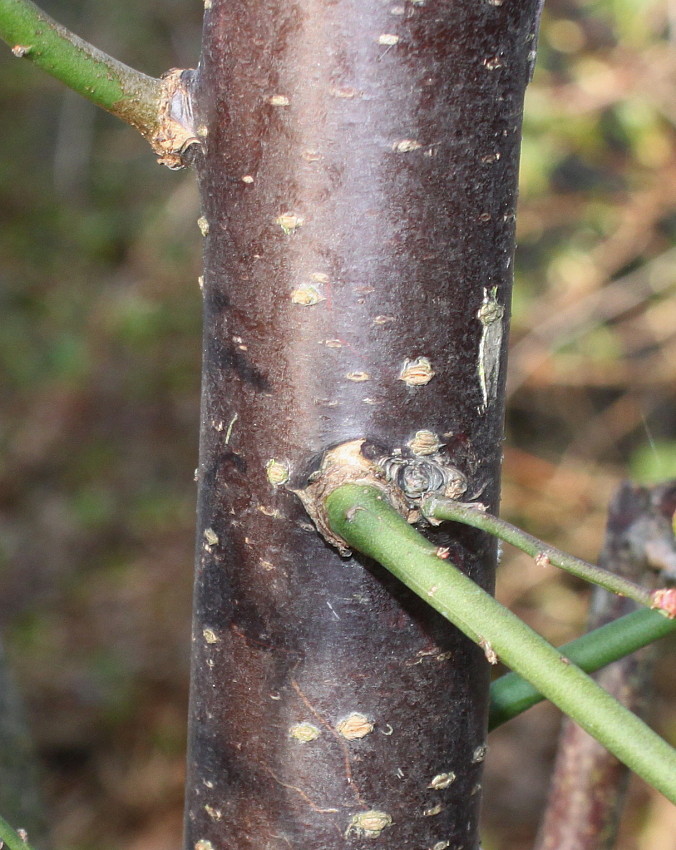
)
(99, 401)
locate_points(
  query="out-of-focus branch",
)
(588, 785)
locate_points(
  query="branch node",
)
(402, 476)
(175, 131)
(345, 464)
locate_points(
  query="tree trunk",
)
(359, 186)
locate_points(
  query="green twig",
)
(511, 695)
(448, 509)
(112, 85)
(360, 515)
(10, 838)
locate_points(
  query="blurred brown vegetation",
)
(100, 347)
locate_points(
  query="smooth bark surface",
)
(359, 187)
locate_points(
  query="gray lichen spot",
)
(210, 536)
(490, 314)
(304, 732)
(344, 92)
(441, 845)
(214, 814)
(307, 295)
(203, 225)
(231, 425)
(271, 512)
(424, 443)
(277, 472)
(417, 372)
(355, 725)
(489, 652)
(247, 178)
(368, 824)
(210, 635)
(278, 100)
(442, 780)
(289, 222)
(479, 754)
(433, 810)
(419, 476)
(358, 377)
(203, 844)
(388, 39)
(406, 146)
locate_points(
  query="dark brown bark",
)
(359, 186)
(588, 786)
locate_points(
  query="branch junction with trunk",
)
(355, 506)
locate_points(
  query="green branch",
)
(127, 93)
(448, 509)
(511, 695)
(360, 515)
(10, 838)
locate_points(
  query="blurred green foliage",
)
(654, 462)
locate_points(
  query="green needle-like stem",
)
(448, 509)
(112, 85)
(10, 838)
(511, 695)
(361, 516)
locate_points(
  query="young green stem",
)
(10, 838)
(511, 695)
(361, 516)
(127, 93)
(448, 509)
